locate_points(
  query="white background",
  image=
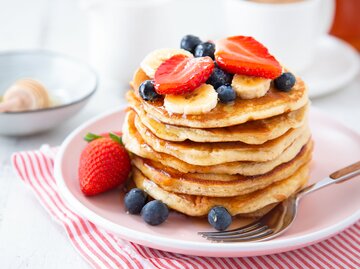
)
(28, 237)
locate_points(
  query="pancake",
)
(194, 205)
(218, 185)
(134, 143)
(256, 214)
(219, 152)
(260, 212)
(273, 103)
(251, 132)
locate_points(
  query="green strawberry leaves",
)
(89, 137)
(116, 138)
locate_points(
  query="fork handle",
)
(346, 171)
(339, 176)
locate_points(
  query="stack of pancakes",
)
(246, 156)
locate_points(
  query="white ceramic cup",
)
(121, 32)
(289, 30)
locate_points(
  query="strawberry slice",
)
(244, 55)
(181, 74)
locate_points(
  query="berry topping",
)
(135, 200)
(285, 82)
(155, 212)
(226, 93)
(189, 43)
(219, 218)
(205, 49)
(244, 55)
(147, 91)
(181, 74)
(154, 59)
(104, 164)
(219, 77)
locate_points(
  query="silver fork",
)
(280, 218)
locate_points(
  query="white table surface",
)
(28, 237)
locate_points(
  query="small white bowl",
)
(70, 83)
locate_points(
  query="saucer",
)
(336, 63)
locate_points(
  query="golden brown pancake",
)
(194, 205)
(219, 152)
(256, 214)
(217, 185)
(273, 103)
(135, 143)
(251, 132)
(246, 156)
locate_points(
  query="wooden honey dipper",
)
(23, 95)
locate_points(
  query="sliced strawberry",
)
(244, 55)
(181, 74)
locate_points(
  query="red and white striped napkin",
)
(102, 249)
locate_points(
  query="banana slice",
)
(202, 100)
(247, 87)
(155, 58)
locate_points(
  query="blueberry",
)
(285, 82)
(135, 200)
(219, 77)
(155, 212)
(189, 43)
(219, 218)
(147, 91)
(226, 93)
(205, 49)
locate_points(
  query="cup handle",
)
(327, 12)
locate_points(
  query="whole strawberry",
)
(104, 164)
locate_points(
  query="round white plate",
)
(321, 214)
(335, 64)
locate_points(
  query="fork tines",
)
(252, 232)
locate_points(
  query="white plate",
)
(336, 64)
(321, 214)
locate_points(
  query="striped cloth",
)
(102, 249)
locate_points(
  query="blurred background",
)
(110, 33)
(114, 35)
(317, 39)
